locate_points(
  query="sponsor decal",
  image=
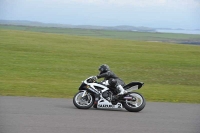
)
(110, 106)
(105, 106)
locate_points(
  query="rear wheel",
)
(136, 104)
(85, 102)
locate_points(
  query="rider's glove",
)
(94, 78)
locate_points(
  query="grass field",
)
(53, 65)
(125, 35)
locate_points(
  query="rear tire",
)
(85, 102)
(135, 105)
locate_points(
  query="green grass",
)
(53, 65)
(125, 35)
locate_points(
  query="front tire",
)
(85, 102)
(136, 104)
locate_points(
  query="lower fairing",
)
(103, 103)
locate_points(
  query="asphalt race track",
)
(51, 115)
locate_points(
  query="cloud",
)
(143, 3)
(132, 3)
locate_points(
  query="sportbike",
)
(90, 90)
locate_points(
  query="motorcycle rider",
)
(110, 79)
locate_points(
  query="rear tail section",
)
(133, 86)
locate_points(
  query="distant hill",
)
(39, 24)
(118, 32)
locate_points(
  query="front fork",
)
(96, 96)
(84, 93)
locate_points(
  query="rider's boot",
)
(121, 89)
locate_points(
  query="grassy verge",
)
(53, 65)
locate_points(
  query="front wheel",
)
(84, 102)
(136, 104)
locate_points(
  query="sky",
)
(174, 14)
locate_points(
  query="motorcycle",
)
(90, 90)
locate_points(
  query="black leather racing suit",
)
(113, 80)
